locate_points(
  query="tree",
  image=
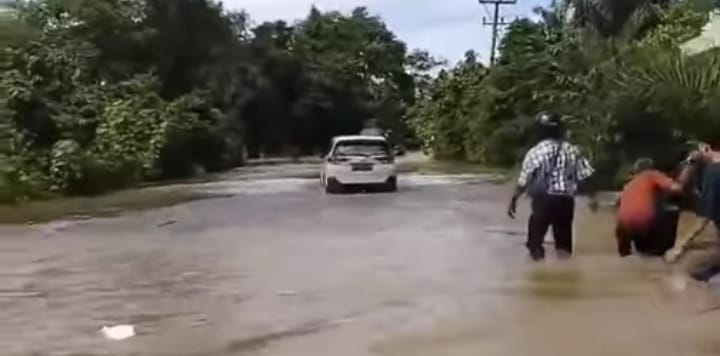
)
(614, 67)
(83, 119)
(444, 117)
(105, 93)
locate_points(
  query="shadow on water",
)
(261, 341)
(555, 284)
(576, 281)
(253, 344)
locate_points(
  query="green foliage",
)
(676, 25)
(131, 135)
(614, 67)
(439, 119)
(101, 94)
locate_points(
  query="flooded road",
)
(274, 267)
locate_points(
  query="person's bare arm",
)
(585, 174)
(512, 207)
(529, 165)
(688, 171)
(676, 186)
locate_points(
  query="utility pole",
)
(495, 22)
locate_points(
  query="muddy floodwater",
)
(272, 266)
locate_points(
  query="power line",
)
(495, 22)
(487, 9)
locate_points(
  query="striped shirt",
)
(571, 167)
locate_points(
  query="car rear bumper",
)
(380, 174)
(392, 181)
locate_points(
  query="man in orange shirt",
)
(639, 221)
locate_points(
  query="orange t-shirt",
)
(637, 200)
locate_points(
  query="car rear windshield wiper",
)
(353, 154)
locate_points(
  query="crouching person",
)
(642, 221)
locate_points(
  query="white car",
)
(358, 161)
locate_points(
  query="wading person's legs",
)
(710, 267)
(645, 242)
(624, 241)
(563, 213)
(645, 238)
(538, 225)
(664, 232)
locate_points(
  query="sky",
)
(446, 28)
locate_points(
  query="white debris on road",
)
(118, 332)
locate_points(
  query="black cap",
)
(548, 119)
(642, 164)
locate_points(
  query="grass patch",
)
(101, 206)
(432, 166)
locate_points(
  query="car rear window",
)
(362, 148)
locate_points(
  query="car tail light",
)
(386, 160)
(337, 160)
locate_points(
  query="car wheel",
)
(332, 186)
(391, 186)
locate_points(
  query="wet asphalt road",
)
(278, 268)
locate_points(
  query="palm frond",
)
(615, 18)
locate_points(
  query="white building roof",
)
(709, 38)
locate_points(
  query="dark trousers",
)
(653, 240)
(710, 267)
(551, 210)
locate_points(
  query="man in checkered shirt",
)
(551, 171)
